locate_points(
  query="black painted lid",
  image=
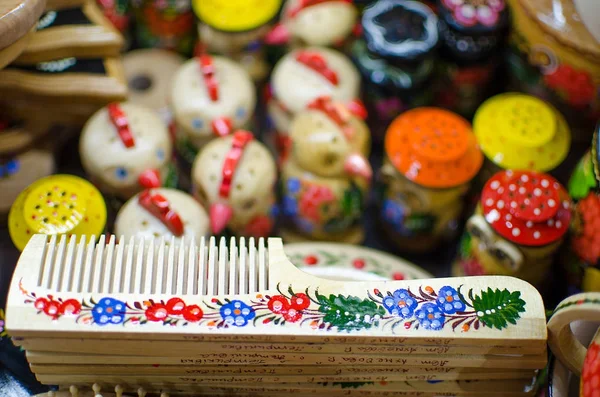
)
(474, 16)
(400, 29)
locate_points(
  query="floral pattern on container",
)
(395, 214)
(424, 308)
(314, 206)
(469, 13)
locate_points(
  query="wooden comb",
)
(121, 312)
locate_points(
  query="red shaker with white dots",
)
(518, 226)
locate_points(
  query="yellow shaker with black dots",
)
(57, 205)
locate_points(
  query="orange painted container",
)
(431, 157)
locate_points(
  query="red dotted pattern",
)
(526, 207)
(590, 378)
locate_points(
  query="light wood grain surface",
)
(17, 17)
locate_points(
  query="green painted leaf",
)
(497, 308)
(349, 313)
(464, 247)
(352, 201)
(172, 176)
(583, 178)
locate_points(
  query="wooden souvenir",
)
(431, 157)
(327, 176)
(78, 30)
(396, 59)
(518, 226)
(211, 96)
(236, 30)
(234, 177)
(584, 253)
(56, 205)
(66, 81)
(315, 23)
(351, 262)
(149, 74)
(166, 24)
(302, 76)
(519, 132)
(162, 213)
(105, 330)
(555, 54)
(126, 148)
(17, 24)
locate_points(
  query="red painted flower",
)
(471, 267)
(157, 312)
(313, 200)
(590, 385)
(193, 313)
(586, 243)
(358, 263)
(40, 303)
(292, 315)
(70, 306)
(278, 304)
(300, 301)
(52, 308)
(311, 260)
(259, 226)
(175, 306)
(576, 85)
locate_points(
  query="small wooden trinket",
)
(77, 29)
(584, 254)
(162, 213)
(315, 23)
(234, 176)
(327, 176)
(302, 76)
(126, 148)
(57, 205)
(519, 132)
(211, 96)
(518, 226)
(472, 33)
(236, 30)
(555, 55)
(149, 74)
(64, 81)
(431, 157)
(396, 59)
(166, 24)
(18, 20)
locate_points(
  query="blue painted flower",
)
(237, 313)
(290, 205)
(294, 185)
(197, 124)
(240, 113)
(274, 211)
(109, 311)
(12, 166)
(393, 213)
(401, 303)
(449, 301)
(430, 317)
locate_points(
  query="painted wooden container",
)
(328, 23)
(126, 148)
(234, 177)
(211, 96)
(57, 205)
(520, 222)
(167, 24)
(519, 132)
(162, 213)
(396, 59)
(555, 54)
(326, 178)
(431, 156)
(299, 78)
(236, 29)
(472, 33)
(584, 253)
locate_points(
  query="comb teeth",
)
(157, 267)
